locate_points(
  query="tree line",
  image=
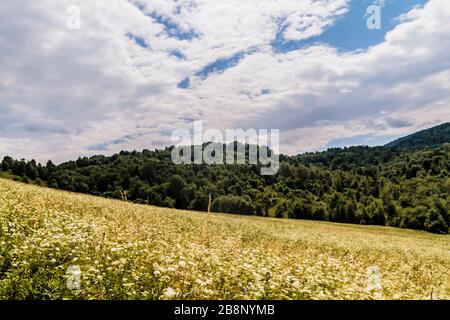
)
(388, 186)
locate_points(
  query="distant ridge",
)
(423, 139)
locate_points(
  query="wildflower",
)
(171, 269)
(289, 260)
(170, 293)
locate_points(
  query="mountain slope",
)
(424, 139)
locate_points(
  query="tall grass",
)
(128, 251)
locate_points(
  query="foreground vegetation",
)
(130, 251)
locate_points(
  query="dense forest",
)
(403, 184)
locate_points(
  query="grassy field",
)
(128, 251)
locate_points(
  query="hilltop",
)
(424, 139)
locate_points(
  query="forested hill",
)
(357, 156)
(391, 185)
(424, 139)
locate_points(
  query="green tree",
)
(435, 222)
(7, 163)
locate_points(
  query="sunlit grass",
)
(128, 251)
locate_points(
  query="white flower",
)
(170, 293)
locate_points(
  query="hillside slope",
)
(424, 139)
(378, 186)
(129, 251)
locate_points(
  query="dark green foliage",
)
(7, 163)
(394, 186)
(233, 204)
(427, 138)
(435, 222)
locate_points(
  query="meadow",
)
(130, 251)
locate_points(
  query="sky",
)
(136, 70)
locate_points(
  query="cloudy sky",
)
(136, 70)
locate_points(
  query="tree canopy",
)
(392, 185)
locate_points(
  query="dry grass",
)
(128, 251)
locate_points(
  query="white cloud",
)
(62, 90)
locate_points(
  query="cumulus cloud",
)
(114, 84)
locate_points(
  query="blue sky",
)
(349, 32)
(366, 139)
(172, 28)
(138, 70)
(217, 66)
(138, 40)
